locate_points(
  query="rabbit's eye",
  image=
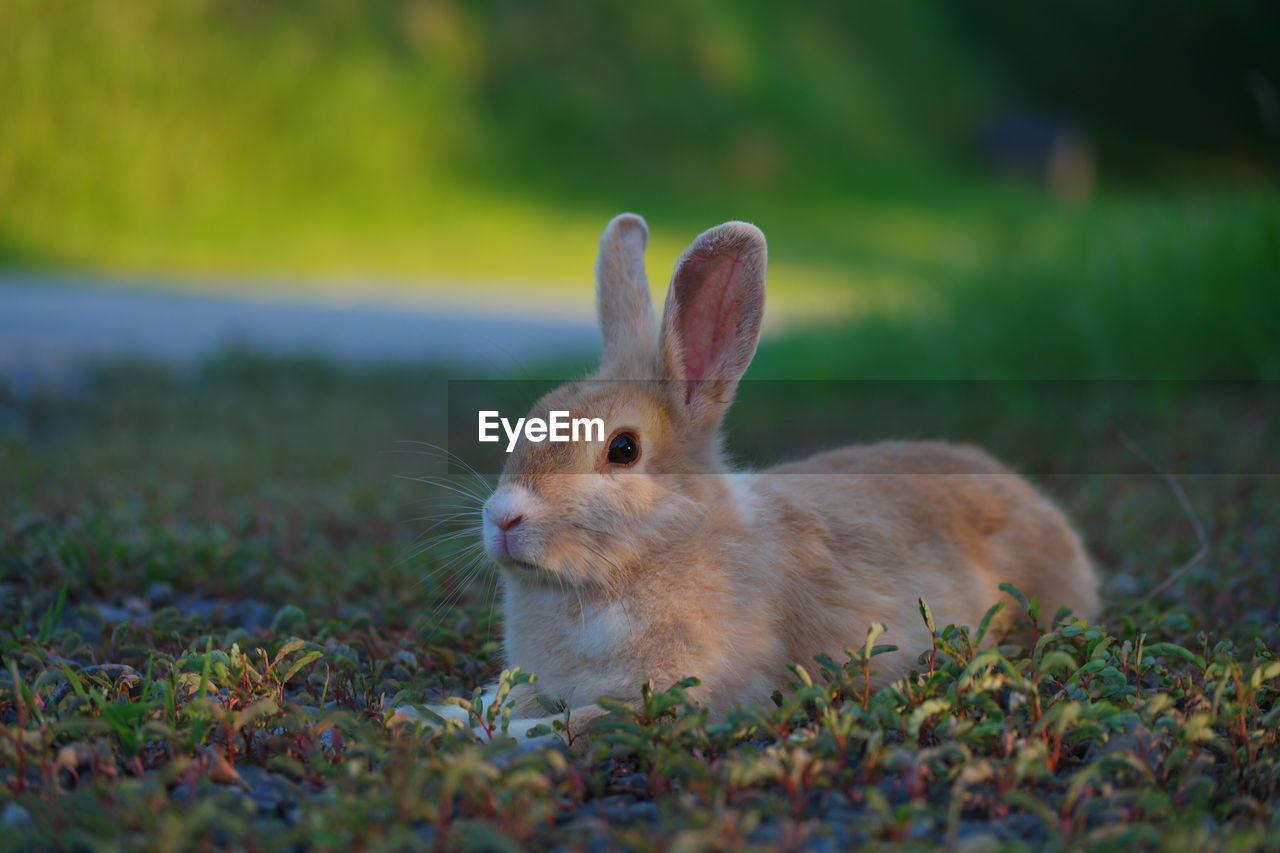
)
(624, 449)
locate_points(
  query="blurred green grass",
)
(400, 137)
(477, 148)
(1170, 288)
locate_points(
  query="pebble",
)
(767, 834)
(254, 615)
(609, 767)
(822, 800)
(826, 844)
(974, 833)
(113, 614)
(273, 793)
(842, 815)
(159, 594)
(613, 808)
(641, 813)
(249, 615)
(632, 783)
(184, 793)
(1020, 826)
(15, 815)
(269, 794)
(135, 605)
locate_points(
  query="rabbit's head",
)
(591, 512)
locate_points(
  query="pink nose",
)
(505, 524)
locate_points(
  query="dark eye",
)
(624, 449)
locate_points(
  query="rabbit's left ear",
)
(711, 323)
(627, 328)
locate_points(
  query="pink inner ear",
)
(710, 310)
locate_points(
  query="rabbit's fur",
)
(678, 566)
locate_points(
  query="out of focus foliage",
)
(1166, 88)
(332, 136)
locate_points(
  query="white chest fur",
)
(579, 649)
(603, 630)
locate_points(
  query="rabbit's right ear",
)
(628, 329)
(712, 320)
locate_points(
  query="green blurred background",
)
(964, 188)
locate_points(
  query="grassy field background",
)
(217, 581)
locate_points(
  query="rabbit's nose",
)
(508, 522)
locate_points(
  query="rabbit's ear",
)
(627, 327)
(711, 323)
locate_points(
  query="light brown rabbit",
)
(643, 556)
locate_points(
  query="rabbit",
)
(646, 557)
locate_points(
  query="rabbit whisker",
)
(446, 485)
(440, 452)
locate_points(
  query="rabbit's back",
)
(884, 524)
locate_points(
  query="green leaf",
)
(49, 624)
(873, 632)
(1062, 715)
(927, 615)
(477, 835)
(985, 624)
(801, 673)
(1263, 673)
(1016, 595)
(308, 658)
(1030, 803)
(1090, 668)
(922, 713)
(23, 694)
(1045, 640)
(290, 647)
(615, 706)
(264, 707)
(981, 660)
(1173, 650)
(1056, 660)
(74, 681)
(828, 668)
(1198, 728)
(287, 618)
(204, 670)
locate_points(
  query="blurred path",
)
(50, 325)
